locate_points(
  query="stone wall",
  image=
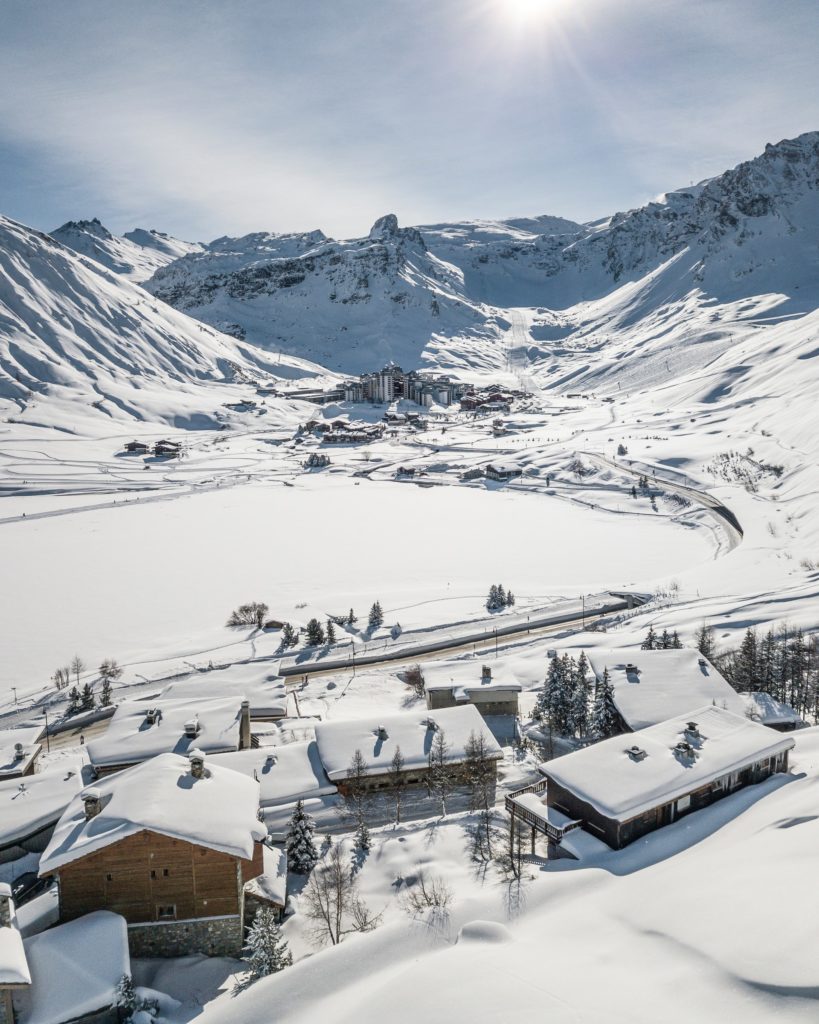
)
(213, 936)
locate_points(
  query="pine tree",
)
(105, 693)
(705, 641)
(745, 663)
(266, 949)
(301, 849)
(125, 997)
(650, 642)
(352, 618)
(579, 699)
(357, 798)
(376, 616)
(501, 596)
(74, 700)
(665, 641)
(492, 599)
(331, 632)
(362, 837)
(510, 599)
(87, 698)
(315, 634)
(439, 775)
(676, 643)
(397, 781)
(289, 636)
(605, 720)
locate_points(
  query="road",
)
(471, 636)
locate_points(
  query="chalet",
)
(269, 889)
(14, 971)
(453, 683)
(137, 447)
(142, 729)
(623, 788)
(87, 959)
(19, 750)
(169, 845)
(317, 460)
(414, 732)
(766, 710)
(265, 693)
(476, 473)
(167, 449)
(651, 686)
(30, 807)
(286, 774)
(502, 471)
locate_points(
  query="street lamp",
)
(48, 741)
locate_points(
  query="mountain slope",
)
(348, 305)
(135, 256)
(71, 332)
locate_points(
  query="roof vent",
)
(692, 729)
(632, 668)
(92, 802)
(153, 715)
(636, 753)
(197, 762)
(192, 727)
(432, 724)
(382, 733)
(684, 748)
(702, 663)
(19, 753)
(270, 760)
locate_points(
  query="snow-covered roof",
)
(29, 739)
(622, 785)
(467, 676)
(267, 694)
(75, 969)
(33, 803)
(14, 969)
(271, 885)
(338, 740)
(651, 686)
(290, 772)
(130, 737)
(764, 708)
(161, 795)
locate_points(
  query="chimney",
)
(382, 732)
(486, 675)
(19, 753)
(92, 801)
(197, 763)
(5, 905)
(192, 727)
(244, 726)
(692, 729)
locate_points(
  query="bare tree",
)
(109, 669)
(332, 901)
(77, 667)
(61, 678)
(428, 892)
(252, 614)
(414, 678)
(398, 781)
(357, 796)
(439, 774)
(481, 773)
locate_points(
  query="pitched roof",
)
(32, 803)
(130, 738)
(338, 740)
(13, 965)
(266, 693)
(160, 795)
(651, 686)
(29, 739)
(290, 772)
(622, 786)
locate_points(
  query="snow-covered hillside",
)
(136, 255)
(77, 340)
(347, 305)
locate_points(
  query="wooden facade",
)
(618, 834)
(149, 877)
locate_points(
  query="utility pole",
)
(583, 599)
(48, 741)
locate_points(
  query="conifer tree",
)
(352, 618)
(266, 948)
(604, 717)
(315, 634)
(301, 849)
(439, 774)
(397, 781)
(105, 693)
(331, 632)
(74, 701)
(705, 641)
(289, 636)
(125, 997)
(376, 616)
(665, 641)
(676, 643)
(87, 698)
(650, 642)
(362, 837)
(510, 599)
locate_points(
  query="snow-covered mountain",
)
(136, 255)
(73, 335)
(345, 304)
(432, 294)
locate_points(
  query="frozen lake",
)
(154, 579)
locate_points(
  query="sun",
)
(527, 10)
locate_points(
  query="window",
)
(683, 804)
(166, 912)
(109, 877)
(165, 872)
(153, 874)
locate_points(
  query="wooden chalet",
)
(169, 845)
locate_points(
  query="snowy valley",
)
(315, 732)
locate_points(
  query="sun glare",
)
(528, 10)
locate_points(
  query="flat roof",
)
(29, 738)
(467, 676)
(266, 693)
(621, 786)
(130, 737)
(652, 686)
(290, 772)
(31, 804)
(338, 740)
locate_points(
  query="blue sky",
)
(210, 117)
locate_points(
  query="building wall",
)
(146, 871)
(215, 936)
(415, 777)
(496, 702)
(618, 834)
